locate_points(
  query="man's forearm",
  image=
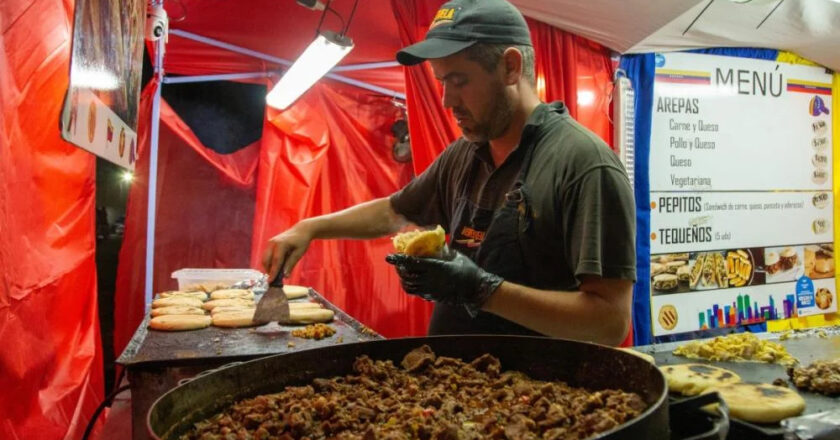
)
(572, 315)
(366, 220)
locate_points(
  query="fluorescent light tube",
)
(321, 56)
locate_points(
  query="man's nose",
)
(450, 98)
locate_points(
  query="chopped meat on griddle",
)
(821, 376)
(430, 398)
(314, 331)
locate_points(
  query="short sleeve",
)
(600, 224)
(422, 201)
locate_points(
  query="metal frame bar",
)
(285, 62)
(231, 47)
(365, 66)
(771, 13)
(219, 77)
(698, 16)
(151, 211)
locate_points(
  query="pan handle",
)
(720, 427)
(206, 372)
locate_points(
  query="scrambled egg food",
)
(420, 243)
(737, 347)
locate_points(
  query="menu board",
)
(740, 188)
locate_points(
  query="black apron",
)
(491, 238)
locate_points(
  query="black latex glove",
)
(456, 280)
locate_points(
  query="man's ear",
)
(512, 64)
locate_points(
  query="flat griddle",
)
(807, 347)
(152, 346)
(157, 361)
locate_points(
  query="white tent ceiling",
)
(810, 28)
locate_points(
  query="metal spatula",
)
(273, 306)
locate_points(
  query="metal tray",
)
(807, 348)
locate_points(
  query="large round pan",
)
(577, 363)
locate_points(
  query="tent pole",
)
(219, 77)
(366, 86)
(365, 66)
(284, 62)
(151, 210)
(228, 46)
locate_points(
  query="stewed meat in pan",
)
(426, 397)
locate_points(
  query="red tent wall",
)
(205, 209)
(206, 203)
(330, 151)
(281, 29)
(51, 361)
(576, 71)
(375, 35)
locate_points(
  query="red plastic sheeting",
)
(51, 361)
(205, 208)
(328, 152)
(576, 71)
(282, 29)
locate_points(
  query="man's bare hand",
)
(366, 220)
(285, 250)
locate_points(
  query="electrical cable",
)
(771, 13)
(337, 15)
(350, 19)
(108, 400)
(321, 21)
(698, 16)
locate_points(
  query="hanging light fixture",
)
(321, 56)
(328, 49)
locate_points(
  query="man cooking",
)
(539, 210)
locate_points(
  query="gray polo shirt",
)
(582, 202)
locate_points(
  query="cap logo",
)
(443, 15)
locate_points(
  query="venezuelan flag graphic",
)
(683, 76)
(812, 87)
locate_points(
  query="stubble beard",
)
(497, 121)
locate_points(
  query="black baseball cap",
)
(459, 24)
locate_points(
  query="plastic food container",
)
(190, 277)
